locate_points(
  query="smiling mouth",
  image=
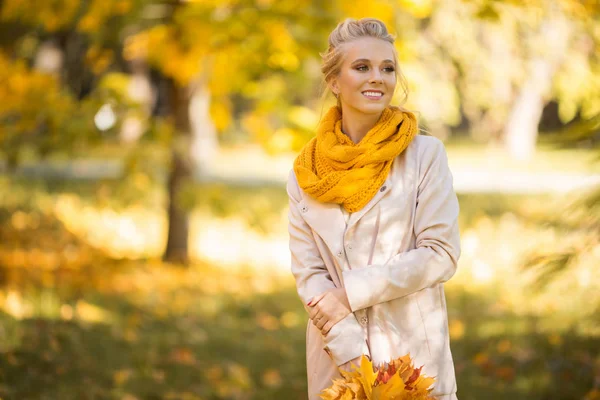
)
(372, 95)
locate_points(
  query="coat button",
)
(349, 246)
(304, 209)
(364, 321)
(340, 253)
(383, 188)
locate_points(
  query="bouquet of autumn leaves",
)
(398, 380)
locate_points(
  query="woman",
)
(372, 221)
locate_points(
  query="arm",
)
(345, 341)
(437, 249)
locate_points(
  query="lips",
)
(373, 94)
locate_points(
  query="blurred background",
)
(145, 147)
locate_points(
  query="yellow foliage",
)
(380, 9)
(51, 14)
(29, 95)
(304, 117)
(220, 112)
(398, 380)
(225, 72)
(581, 9)
(258, 126)
(281, 40)
(418, 8)
(282, 140)
(286, 60)
(162, 47)
(98, 59)
(99, 11)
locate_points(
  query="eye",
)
(361, 68)
(389, 69)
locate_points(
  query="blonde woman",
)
(372, 221)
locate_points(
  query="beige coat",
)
(410, 231)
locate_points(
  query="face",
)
(367, 78)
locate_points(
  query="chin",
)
(372, 108)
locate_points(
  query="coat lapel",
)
(326, 219)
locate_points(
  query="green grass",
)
(103, 328)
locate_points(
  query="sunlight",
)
(493, 251)
(231, 242)
(482, 271)
(105, 118)
(14, 305)
(92, 313)
(133, 233)
(137, 232)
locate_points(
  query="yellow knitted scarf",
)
(333, 169)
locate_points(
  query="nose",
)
(376, 76)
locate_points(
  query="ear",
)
(333, 86)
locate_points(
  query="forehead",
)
(373, 49)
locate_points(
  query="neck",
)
(356, 125)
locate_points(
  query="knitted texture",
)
(333, 169)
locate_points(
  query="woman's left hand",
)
(329, 308)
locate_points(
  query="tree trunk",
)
(522, 127)
(179, 175)
(204, 144)
(521, 130)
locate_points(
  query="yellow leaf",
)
(398, 380)
(121, 376)
(392, 389)
(347, 396)
(368, 375)
(272, 378)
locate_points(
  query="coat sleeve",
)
(437, 249)
(346, 339)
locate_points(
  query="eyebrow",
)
(368, 61)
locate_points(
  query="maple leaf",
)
(397, 380)
(394, 388)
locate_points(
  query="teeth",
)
(373, 94)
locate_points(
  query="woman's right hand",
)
(329, 308)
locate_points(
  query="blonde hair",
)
(347, 31)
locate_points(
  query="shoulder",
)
(427, 147)
(424, 150)
(424, 155)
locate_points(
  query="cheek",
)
(350, 82)
(391, 82)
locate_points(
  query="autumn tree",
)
(238, 56)
(510, 59)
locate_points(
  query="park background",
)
(145, 147)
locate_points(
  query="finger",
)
(321, 322)
(314, 312)
(316, 299)
(318, 318)
(326, 328)
(314, 316)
